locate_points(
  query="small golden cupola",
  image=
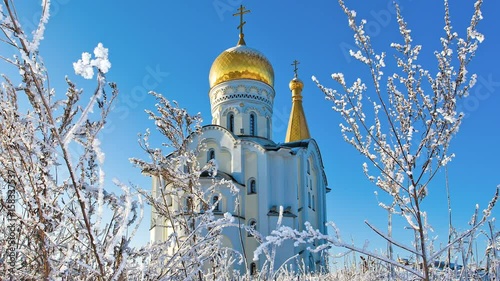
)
(241, 62)
(297, 124)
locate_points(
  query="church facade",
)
(268, 174)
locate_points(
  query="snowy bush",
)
(57, 219)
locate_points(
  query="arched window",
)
(216, 202)
(252, 186)
(210, 154)
(188, 204)
(309, 199)
(253, 226)
(230, 122)
(311, 262)
(268, 125)
(313, 204)
(308, 167)
(253, 268)
(252, 124)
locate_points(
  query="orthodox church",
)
(269, 175)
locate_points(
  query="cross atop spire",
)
(241, 11)
(295, 68)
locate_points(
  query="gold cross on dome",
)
(295, 68)
(241, 11)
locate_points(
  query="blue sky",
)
(169, 46)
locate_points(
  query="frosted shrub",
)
(193, 249)
(404, 129)
(52, 184)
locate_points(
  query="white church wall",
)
(227, 155)
(319, 187)
(155, 232)
(266, 177)
(302, 179)
(287, 249)
(250, 172)
(225, 160)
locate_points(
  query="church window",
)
(309, 199)
(268, 128)
(216, 202)
(253, 226)
(252, 186)
(210, 154)
(188, 204)
(252, 124)
(308, 167)
(311, 262)
(313, 204)
(230, 122)
(253, 268)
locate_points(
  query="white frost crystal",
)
(84, 66)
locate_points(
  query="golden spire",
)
(297, 125)
(241, 12)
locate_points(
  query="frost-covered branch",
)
(309, 235)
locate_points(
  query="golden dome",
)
(296, 83)
(241, 62)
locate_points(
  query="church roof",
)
(264, 142)
(241, 62)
